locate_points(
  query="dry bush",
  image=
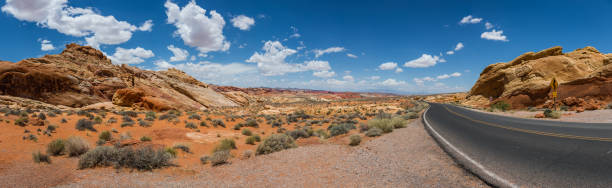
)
(40, 157)
(274, 143)
(76, 146)
(145, 158)
(56, 147)
(220, 157)
(355, 140)
(225, 144)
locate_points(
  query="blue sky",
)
(389, 46)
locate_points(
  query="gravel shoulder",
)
(594, 116)
(406, 157)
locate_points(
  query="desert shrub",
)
(247, 132)
(298, 133)
(335, 130)
(145, 158)
(374, 131)
(398, 122)
(42, 116)
(500, 105)
(218, 122)
(220, 157)
(552, 114)
(64, 120)
(247, 154)
(52, 114)
(191, 125)
(125, 123)
(251, 123)
(564, 108)
(167, 116)
(355, 140)
(128, 113)
(274, 143)
(171, 151)
(203, 124)
(106, 136)
(182, 147)
(125, 136)
(111, 120)
(100, 142)
(145, 139)
(85, 124)
(238, 126)
(609, 106)
(277, 124)
(225, 144)
(250, 140)
(144, 123)
(382, 115)
(56, 147)
(31, 137)
(321, 133)
(41, 158)
(204, 159)
(363, 127)
(22, 121)
(51, 128)
(97, 120)
(195, 116)
(383, 124)
(150, 116)
(76, 146)
(411, 115)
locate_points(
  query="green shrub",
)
(106, 136)
(22, 121)
(145, 158)
(355, 140)
(552, 114)
(274, 143)
(251, 140)
(97, 120)
(321, 133)
(225, 144)
(298, 133)
(203, 124)
(170, 151)
(150, 116)
(218, 122)
(500, 105)
(41, 158)
(195, 116)
(251, 123)
(220, 157)
(84, 124)
(398, 122)
(247, 132)
(144, 123)
(51, 128)
(145, 139)
(411, 115)
(191, 125)
(374, 131)
(335, 130)
(383, 124)
(42, 116)
(56, 147)
(76, 146)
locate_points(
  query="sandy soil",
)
(595, 116)
(407, 157)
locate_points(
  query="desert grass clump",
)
(298, 133)
(321, 133)
(76, 146)
(274, 143)
(218, 122)
(335, 130)
(145, 158)
(195, 116)
(251, 123)
(500, 105)
(39, 157)
(398, 122)
(182, 147)
(150, 116)
(552, 114)
(247, 132)
(373, 132)
(105, 136)
(355, 140)
(203, 124)
(144, 123)
(252, 139)
(51, 128)
(97, 120)
(191, 125)
(85, 124)
(22, 121)
(225, 144)
(383, 124)
(56, 147)
(171, 151)
(220, 157)
(145, 139)
(42, 116)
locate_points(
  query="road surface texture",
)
(516, 152)
(407, 157)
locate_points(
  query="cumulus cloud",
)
(470, 20)
(74, 21)
(494, 35)
(450, 52)
(319, 52)
(178, 53)
(387, 66)
(217, 73)
(324, 74)
(459, 46)
(348, 78)
(196, 28)
(392, 82)
(488, 25)
(243, 22)
(351, 55)
(421, 81)
(425, 60)
(295, 33)
(398, 70)
(374, 77)
(46, 45)
(130, 56)
(272, 61)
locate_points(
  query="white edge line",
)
(468, 158)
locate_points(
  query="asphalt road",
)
(516, 152)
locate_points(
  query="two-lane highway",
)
(509, 151)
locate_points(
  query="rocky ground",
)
(407, 157)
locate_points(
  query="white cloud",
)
(387, 66)
(425, 60)
(456, 74)
(324, 74)
(217, 73)
(319, 52)
(450, 52)
(392, 82)
(459, 46)
(196, 28)
(374, 77)
(351, 55)
(74, 21)
(348, 78)
(46, 45)
(147, 26)
(488, 25)
(494, 35)
(398, 70)
(178, 53)
(470, 20)
(130, 56)
(272, 61)
(243, 22)
(336, 82)
(316, 65)
(295, 33)
(421, 81)
(444, 76)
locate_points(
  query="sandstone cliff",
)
(524, 81)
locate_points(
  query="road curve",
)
(516, 152)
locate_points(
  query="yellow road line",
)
(559, 135)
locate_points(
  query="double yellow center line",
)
(559, 135)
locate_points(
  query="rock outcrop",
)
(524, 81)
(81, 76)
